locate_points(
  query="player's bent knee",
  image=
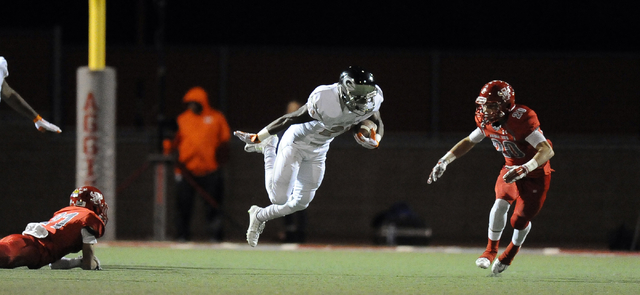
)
(519, 222)
(277, 201)
(500, 206)
(298, 206)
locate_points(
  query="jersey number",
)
(508, 148)
(61, 219)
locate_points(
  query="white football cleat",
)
(271, 141)
(483, 262)
(255, 226)
(498, 267)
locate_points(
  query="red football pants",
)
(528, 193)
(22, 250)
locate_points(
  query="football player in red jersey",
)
(71, 229)
(515, 131)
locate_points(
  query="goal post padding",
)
(96, 136)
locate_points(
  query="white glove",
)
(43, 125)
(437, 171)
(69, 263)
(370, 143)
(249, 138)
(66, 263)
(98, 266)
(519, 172)
(515, 173)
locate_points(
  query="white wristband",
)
(263, 134)
(531, 165)
(448, 157)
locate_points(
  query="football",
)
(365, 128)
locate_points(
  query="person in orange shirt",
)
(201, 142)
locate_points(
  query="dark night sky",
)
(456, 25)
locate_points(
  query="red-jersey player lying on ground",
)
(71, 229)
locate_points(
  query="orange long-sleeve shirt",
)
(200, 135)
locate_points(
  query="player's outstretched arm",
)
(86, 261)
(66, 263)
(458, 150)
(16, 102)
(299, 116)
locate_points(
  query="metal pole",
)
(97, 34)
(161, 163)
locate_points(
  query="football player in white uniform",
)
(293, 175)
(15, 101)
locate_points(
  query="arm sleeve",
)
(4, 69)
(87, 237)
(476, 136)
(535, 137)
(4, 72)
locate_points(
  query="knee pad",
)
(498, 215)
(500, 206)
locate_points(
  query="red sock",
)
(492, 250)
(509, 254)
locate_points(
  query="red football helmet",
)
(91, 198)
(496, 100)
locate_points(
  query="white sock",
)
(520, 235)
(273, 211)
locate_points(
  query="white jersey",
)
(332, 118)
(4, 72)
(294, 174)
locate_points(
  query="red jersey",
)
(64, 230)
(509, 138)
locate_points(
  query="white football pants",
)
(292, 176)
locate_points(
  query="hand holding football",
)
(365, 128)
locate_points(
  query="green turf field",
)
(203, 269)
